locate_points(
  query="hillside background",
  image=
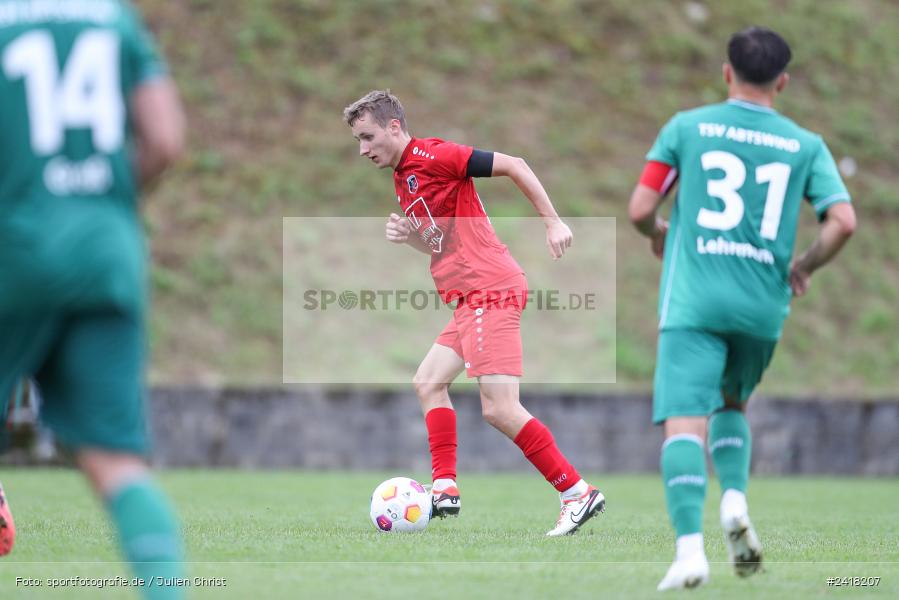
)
(578, 88)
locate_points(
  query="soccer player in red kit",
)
(444, 218)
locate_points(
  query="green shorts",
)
(695, 367)
(89, 370)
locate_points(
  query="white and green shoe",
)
(685, 574)
(743, 547)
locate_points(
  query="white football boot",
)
(445, 500)
(686, 573)
(743, 547)
(577, 511)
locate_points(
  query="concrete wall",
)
(356, 429)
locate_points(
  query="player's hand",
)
(558, 238)
(657, 241)
(398, 229)
(799, 279)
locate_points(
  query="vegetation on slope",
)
(578, 88)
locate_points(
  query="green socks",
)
(684, 477)
(730, 445)
(684, 470)
(149, 537)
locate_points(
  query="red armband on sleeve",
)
(658, 176)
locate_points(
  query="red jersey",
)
(444, 209)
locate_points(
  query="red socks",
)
(539, 447)
(441, 424)
(534, 439)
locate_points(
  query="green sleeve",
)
(665, 148)
(824, 186)
(141, 53)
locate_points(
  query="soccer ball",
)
(400, 504)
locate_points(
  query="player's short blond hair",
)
(380, 104)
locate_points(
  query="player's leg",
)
(503, 410)
(689, 367)
(491, 339)
(93, 401)
(440, 366)
(730, 445)
(500, 404)
(436, 372)
(146, 523)
(684, 474)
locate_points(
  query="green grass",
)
(307, 535)
(578, 88)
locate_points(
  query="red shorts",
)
(485, 330)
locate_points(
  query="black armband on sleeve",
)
(480, 164)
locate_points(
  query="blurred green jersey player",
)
(89, 115)
(743, 171)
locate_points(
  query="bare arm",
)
(837, 228)
(642, 210)
(159, 128)
(558, 235)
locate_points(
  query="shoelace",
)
(433, 491)
(565, 508)
(566, 504)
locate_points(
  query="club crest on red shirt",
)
(412, 182)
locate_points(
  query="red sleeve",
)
(659, 176)
(450, 159)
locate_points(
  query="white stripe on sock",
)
(684, 436)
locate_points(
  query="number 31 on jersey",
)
(775, 174)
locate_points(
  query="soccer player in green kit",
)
(89, 115)
(727, 279)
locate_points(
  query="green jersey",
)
(743, 172)
(68, 221)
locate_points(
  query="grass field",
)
(306, 535)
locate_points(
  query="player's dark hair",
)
(380, 104)
(758, 55)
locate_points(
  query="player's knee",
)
(427, 388)
(108, 470)
(492, 414)
(497, 414)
